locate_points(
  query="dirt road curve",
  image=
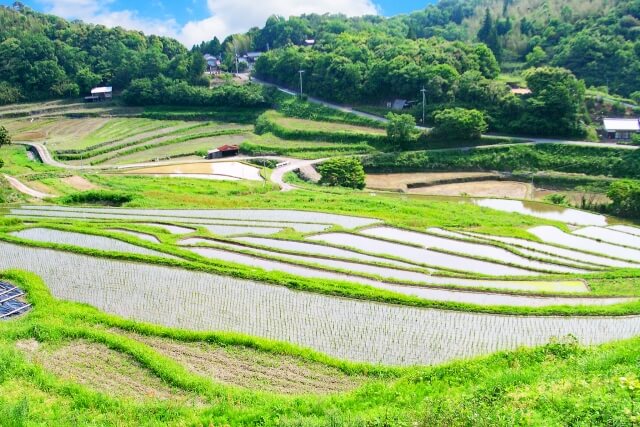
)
(26, 190)
(277, 176)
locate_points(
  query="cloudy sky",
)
(192, 21)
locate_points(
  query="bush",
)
(342, 172)
(557, 199)
(625, 197)
(459, 124)
(98, 197)
(594, 161)
(635, 139)
(400, 128)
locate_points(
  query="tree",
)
(342, 172)
(625, 197)
(400, 128)
(5, 139)
(459, 124)
(536, 57)
(488, 34)
(557, 102)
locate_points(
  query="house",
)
(621, 129)
(521, 91)
(100, 94)
(223, 151)
(213, 63)
(253, 56)
(309, 42)
(399, 104)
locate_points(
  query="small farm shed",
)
(621, 129)
(223, 151)
(520, 91)
(100, 94)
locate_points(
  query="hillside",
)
(597, 39)
(43, 57)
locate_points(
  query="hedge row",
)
(593, 161)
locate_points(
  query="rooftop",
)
(106, 89)
(632, 125)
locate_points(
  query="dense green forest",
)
(43, 56)
(598, 40)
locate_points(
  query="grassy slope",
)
(558, 384)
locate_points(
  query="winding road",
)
(15, 183)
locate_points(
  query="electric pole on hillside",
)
(235, 51)
(301, 73)
(424, 99)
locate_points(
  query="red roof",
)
(229, 148)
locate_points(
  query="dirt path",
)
(278, 174)
(26, 190)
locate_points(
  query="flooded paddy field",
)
(374, 332)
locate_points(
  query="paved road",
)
(26, 190)
(277, 176)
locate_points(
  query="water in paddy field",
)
(542, 210)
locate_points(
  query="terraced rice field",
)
(372, 255)
(302, 124)
(257, 215)
(351, 269)
(205, 170)
(555, 213)
(184, 150)
(377, 333)
(85, 241)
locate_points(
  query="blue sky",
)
(192, 21)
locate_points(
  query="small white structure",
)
(100, 94)
(621, 129)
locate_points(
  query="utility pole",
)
(301, 73)
(424, 101)
(235, 51)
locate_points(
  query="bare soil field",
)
(79, 183)
(399, 181)
(231, 169)
(102, 369)
(496, 189)
(248, 368)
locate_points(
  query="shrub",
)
(98, 197)
(400, 128)
(557, 199)
(342, 172)
(460, 124)
(625, 197)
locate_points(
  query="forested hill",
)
(43, 56)
(596, 39)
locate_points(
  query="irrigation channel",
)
(432, 264)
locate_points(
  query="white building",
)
(621, 128)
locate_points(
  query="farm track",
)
(344, 328)
(24, 189)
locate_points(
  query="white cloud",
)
(99, 12)
(234, 16)
(227, 16)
